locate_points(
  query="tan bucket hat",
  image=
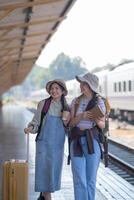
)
(59, 82)
(91, 79)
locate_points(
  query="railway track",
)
(121, 161)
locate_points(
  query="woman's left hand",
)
(101, 122)
(66, 121)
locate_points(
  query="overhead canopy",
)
(26, 27)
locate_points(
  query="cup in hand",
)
(65, 115)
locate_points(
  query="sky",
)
(98, 31)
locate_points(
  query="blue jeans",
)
(84, 171)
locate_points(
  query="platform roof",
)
(26, 27)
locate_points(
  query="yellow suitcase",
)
(15, 179)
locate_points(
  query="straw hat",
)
(60, 82)
(91, 79)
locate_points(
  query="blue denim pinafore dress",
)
(49, 155)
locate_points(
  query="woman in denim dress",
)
(85, 148)
(50, 141)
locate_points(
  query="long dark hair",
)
(65, 106)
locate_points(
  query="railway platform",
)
(13, 119)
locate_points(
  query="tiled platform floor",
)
(13, 119)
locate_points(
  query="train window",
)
(115, 87)
(129, 85)
(119, 86)
(124, 86)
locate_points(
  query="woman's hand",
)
(87, 115)
(101, 122)
(67, 118)
(75, 120)
(28, 130)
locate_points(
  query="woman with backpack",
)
(85, 149)
(49, 125)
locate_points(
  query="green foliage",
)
(62, 67)
(66, 68)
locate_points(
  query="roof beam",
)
(6, 53)
(6, 44)
(15, 5)
(27, 36)
(35, 22)
(7, 62)
(20, 46)
(14, 54)
(11, 7)
(7, 79)
(6, 13)
(5, 32)
(17, 60)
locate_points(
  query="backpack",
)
(43, 113)
(105, 133)
(105, 130)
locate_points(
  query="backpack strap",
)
(105, 132)
(107, 104)
(46, 106)
(43, 113)
(77, 103)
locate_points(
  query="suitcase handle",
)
(27, 159)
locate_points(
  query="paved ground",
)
(13, 119)
(66, 192)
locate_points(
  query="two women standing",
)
(85, 147)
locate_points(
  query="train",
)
(117, 85)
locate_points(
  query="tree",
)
(62, 67)
(67, 68)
